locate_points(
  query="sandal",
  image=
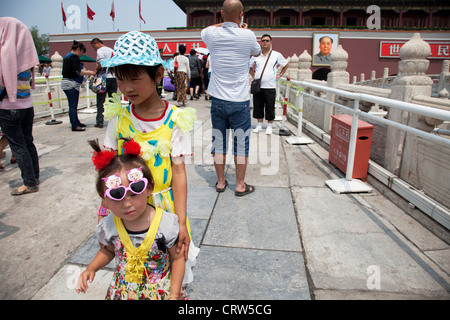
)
(248, 189)
(27, 190)
(220, 190)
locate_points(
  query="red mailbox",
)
(339, 144)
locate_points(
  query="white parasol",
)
(202, 50)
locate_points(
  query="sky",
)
(47, 16)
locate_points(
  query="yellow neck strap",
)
(135, 268)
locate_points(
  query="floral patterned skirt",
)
(155, 280)
(119, 289)
(181, 86)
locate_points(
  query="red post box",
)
(339, 144)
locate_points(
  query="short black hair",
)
(320, 40)
(96, 40)
(266, 35)
(182, 49)
(192, 52)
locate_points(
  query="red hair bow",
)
(102, 158)
(131, 147)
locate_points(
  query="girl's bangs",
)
(128, 71)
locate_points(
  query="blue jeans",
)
(72, 98)
(226, 115)
(17, 126)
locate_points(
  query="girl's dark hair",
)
(130, 71)
(182, 49)
(78, 45)
(126, 161)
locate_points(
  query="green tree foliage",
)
(40, 41)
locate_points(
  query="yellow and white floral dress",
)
(142, 259)
(160, 140)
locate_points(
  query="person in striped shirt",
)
(18, 53)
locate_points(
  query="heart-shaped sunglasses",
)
(119, 193)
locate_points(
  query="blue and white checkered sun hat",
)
(135, 48)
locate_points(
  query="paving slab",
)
(264, 219)
(306, 168)
(347, 246)
(200, 201)
(63, 283)
(84, 255)
(248, 274)
(43, 229)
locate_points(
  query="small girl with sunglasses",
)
(140, 236)
(161, 129)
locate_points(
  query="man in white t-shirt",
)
(103, 53)
(230, 45)
(264, 102)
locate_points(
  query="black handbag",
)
(255, 86)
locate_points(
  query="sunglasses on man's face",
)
(119, 193)
(265, 40)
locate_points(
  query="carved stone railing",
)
(424, 165)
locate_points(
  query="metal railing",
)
(49, 99)
(348, 185)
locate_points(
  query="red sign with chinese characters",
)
(169, 48)
(391, 49)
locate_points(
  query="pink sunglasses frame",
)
(108, 194)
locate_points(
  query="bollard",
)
(50, 102)
(277, 103)
(299, 139)
(88, 108)
(283, 132)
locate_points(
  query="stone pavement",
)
(291, 239)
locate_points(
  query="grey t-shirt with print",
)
(166, 236)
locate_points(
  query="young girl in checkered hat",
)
(161, 129)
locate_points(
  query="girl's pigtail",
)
(100, 158)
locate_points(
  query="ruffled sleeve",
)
(110, 141)
(185, 118)
(105, 230)
(181, 140)
(181, 143)
(168, 229)
(113, 107)
(114, 110)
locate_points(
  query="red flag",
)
(140, 16)
(112, 13)
(63, 14)
(90, 13)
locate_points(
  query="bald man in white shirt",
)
(231, 45)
